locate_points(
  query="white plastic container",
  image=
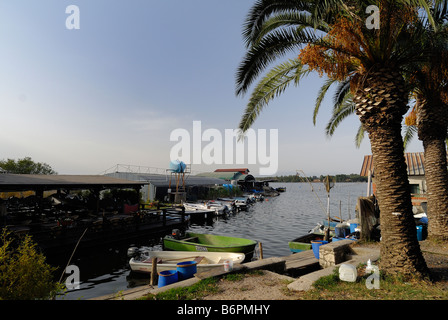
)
(369, 267)
(348, 272)
(228, 265)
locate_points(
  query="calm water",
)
(272, 222)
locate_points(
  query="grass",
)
(196, 291)
(390, 288)
(200, 289)
(326, 288)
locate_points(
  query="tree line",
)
(353, 177)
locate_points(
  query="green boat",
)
(209, 242)
(303, 243)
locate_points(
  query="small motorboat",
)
(141, 260)
(201, 242)
(217, 207)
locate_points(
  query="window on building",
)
(415, 188)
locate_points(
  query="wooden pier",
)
(98, 232)
(300, 263)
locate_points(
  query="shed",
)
(415, 162)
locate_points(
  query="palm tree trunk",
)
(381, 102)
(432, 122)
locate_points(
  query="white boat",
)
(219, 208)
(168, 260)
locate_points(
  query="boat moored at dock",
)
(201, 242)
(141, 260)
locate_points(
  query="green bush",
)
(24, 274)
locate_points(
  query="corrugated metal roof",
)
(241, 170)
(162, 180)
(25, 182)
(221, 175)
(415, 162)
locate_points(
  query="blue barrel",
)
(186, 269)
(315, 245)
(167, 277)
(419, 233)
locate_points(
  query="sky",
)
(113, 91)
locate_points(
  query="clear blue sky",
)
(113, 91)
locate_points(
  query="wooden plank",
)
(300, 260)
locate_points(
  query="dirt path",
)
(269, 286)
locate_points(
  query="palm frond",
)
(342, 93)
(288, 19)
(270, 87)
(262, 10)
(346, 109)
(273, 46)
(359, 136)
(320, 97)
(409, 133)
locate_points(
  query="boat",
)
(237, 203)
(220, 208)
(281, 189)
(141, 260)
(217, 207)
(242, 203)
(303, 243)
(201, 242)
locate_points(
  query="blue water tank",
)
(177, 166)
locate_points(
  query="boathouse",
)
(416, 174)
(240, 177)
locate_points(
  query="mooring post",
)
(154, 276)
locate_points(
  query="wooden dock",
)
(301, 262)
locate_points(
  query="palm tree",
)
(343, 48)
(429, 117)
(432, 123)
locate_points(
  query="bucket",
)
(186, 269)
(353, 226)
(167, 277)
(316, 245)
(419, 233)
